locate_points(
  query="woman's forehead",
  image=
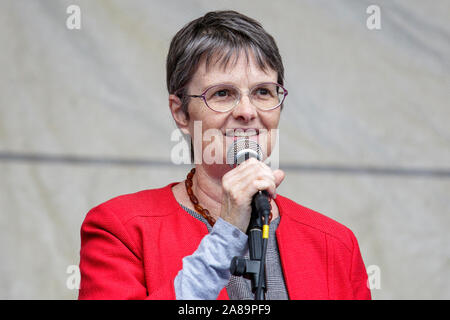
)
(223, 67)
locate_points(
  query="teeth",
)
(241, 133)
(244, 134)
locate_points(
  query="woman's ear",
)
(178, 114)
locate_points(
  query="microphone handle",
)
(262, 203)
(260, 208)
(254, 233)
(256, 244)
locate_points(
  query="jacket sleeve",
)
(358, 273)
(110, 263)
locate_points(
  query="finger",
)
(279, 176)
(258, 168)
(250, 170)
(239, 179)
(261, 185)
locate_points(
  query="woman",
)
(225, 73)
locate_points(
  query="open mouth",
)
(241, 132)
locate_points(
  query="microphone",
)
(258, 229)
(244, 149)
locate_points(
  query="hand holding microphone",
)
(248, 178)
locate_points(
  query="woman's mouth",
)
(241, 132)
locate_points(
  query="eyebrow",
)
(234, 85)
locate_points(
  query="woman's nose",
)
(244, 110)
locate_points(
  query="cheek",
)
(213, 146)
(274, 119)
(208, 141)
(269, 141)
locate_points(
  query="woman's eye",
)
(263, 91)
(221, 93)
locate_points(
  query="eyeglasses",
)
(224, 97)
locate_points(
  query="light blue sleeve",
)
(207, 271)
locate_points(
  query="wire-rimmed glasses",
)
(224, 97)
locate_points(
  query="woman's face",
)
(216, 128)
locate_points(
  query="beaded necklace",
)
(204, 212)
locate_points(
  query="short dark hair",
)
(218, 34)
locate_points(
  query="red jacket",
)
(132, 248)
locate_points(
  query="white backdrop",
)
(364, 134)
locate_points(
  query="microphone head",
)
(243, 149)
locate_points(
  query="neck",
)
(208, 190)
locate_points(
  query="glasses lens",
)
(267, 95)
(222, 97)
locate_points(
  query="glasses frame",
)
(203, 96)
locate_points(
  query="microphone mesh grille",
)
(241, 150)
